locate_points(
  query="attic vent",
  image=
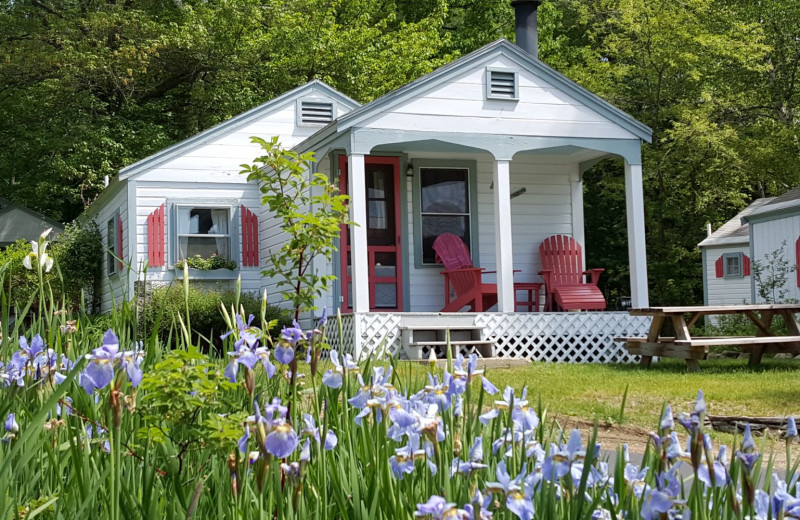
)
(501, 84)
(316, 112)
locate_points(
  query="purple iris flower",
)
(720, 475)
(311, 430)
(323, 319)
(561, 460)
(100, 371)
(437, 508)
(333, 378)
(242, 443)
(488, 387)
(474, 462)
(281, 439)
(130, 360)
(284, 355)
(748, 443)
(517, 502)
(655, 504)
(667, 423)
(293, 334)
(251, 335)
(791, 428)
(700, 404)
(11, 423)
(27, 353)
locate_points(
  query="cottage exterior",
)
(491, 147)
(775, 226)
(726, 260)
(190, 199)
(18, 222)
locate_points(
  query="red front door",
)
(383, 235)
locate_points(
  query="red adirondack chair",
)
(462, 277)
(562, 270)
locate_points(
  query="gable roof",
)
(736, 231)
(34, 223)
(498, 47)
(780, 206)
(230, 125)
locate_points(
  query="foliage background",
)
(89, 86)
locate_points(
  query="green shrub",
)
(78, 256)
(206, 264)
(166, 303)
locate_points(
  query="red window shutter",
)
(720, 267)
(249, 238)
(745, 265)
(797, 259)
(119, 242)
(155, 238)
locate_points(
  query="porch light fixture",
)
(410, 170)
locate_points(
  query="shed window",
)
(203, 231)
(315, 112)
(112, 254)
(501, 84)
(732, 264)
(444, 206)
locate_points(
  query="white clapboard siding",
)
(725, 291)
(151, 195)
(461, 106)
(543, 210)
(115, 288)
(771, 235)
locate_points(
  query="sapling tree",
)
(771, 273)
(312, 211)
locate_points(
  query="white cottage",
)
(491, 147)
(190, 199)
(775, 226)
(726, 260)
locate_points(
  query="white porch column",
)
(502, 234)
(357, 188)
(578, 231)
(637, 258)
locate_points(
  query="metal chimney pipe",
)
(527, 25)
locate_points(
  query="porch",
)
(569, 337)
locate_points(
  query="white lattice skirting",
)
(571, 337)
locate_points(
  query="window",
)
(203, 231)
(732, 264)
(501, 84)
(111, 245)
(445, 203)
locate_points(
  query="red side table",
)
(530, 300)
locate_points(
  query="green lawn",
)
(595, 392)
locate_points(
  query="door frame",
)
(399, 279)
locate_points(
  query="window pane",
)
(433, 226)
(111, 246)
(444, 190)
(732, 265)
(205, 247)
(202, 221)
(385, 295)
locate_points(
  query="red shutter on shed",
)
(119, 241)
(745, 265)
(720, 267)
(155, 238)
(249, 238)
(797, 259)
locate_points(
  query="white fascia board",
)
(726, 241)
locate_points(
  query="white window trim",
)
(443, 164)
(234, 228)
(490, 95)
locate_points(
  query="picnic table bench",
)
(684, 346)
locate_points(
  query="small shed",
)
(775, 227)
(18, 222)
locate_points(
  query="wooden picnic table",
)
(684, 346)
